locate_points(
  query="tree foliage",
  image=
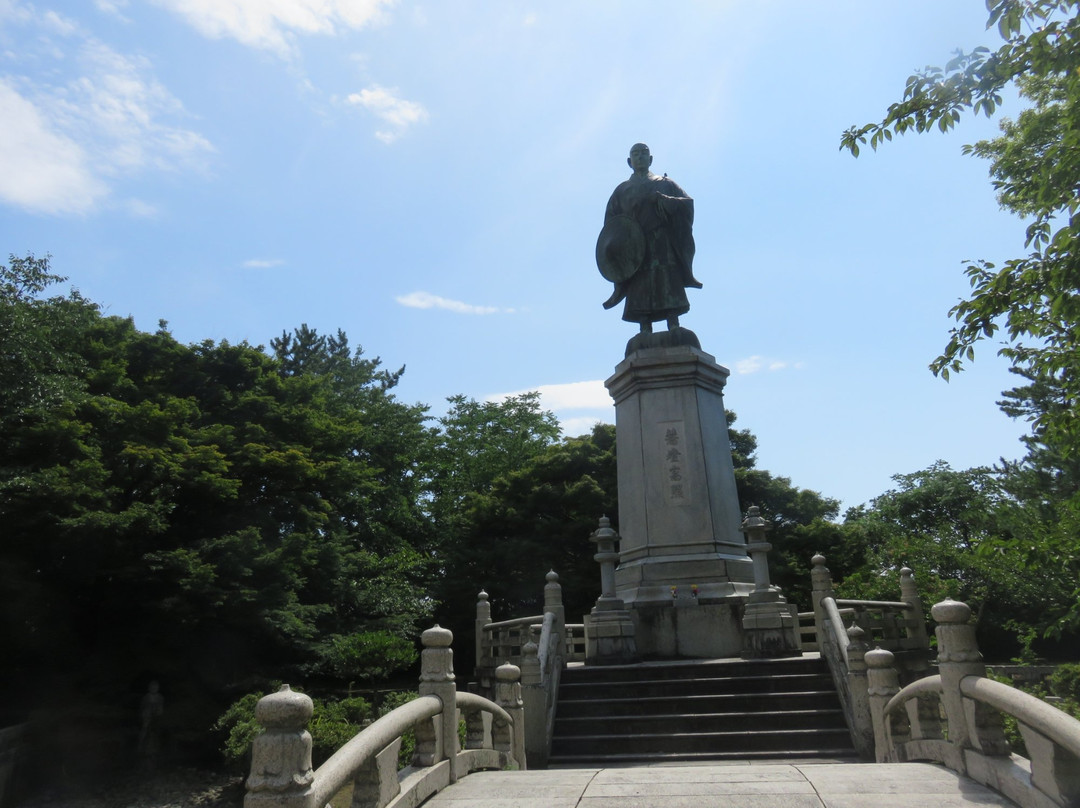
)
(1031, 302)
(207, 513)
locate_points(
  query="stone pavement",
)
(743, 785)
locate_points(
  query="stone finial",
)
(508, 672)
(951, 612)
(879, 658)
(437, 658)
(553, 596)
(281, 756)
(437, 637)
(285, 710)
(818, 560)
(754, 521)
(605, 532)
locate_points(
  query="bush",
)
(1065, 681)
(333, 723)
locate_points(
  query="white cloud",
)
(385, 105)
(41, 170)
(263, 263)
(752, 364)
(271, 24)
(569, 396)
(567, 400)
(426, 300)
(65, 139)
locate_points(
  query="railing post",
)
(857, 688)
(437, 679)
(883, 683)
(483, 617)
(508, 696)
(909, 593)
(553, 600)
(821, 587)
(535, 701)
(281, 774)
(972, 725)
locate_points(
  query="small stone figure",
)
(646, 247)
(151, 710)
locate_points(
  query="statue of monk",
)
(647, 245)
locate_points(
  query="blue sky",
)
(431, 178)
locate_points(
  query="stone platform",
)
(735, 785)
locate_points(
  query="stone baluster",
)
(972, 725)
(909, 593)
(822, 587)
(882, 684)
(553, 599)
(857, 688)
(437, 739)
(483, 618)
(281, 773)
(535, 700)
(510, 740)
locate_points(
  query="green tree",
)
(958, 531)
(205, 513)
(1033, 301)
(38, 364)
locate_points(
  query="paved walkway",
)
(745, 785)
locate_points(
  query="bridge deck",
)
(757, 785)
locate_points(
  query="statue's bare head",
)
(640, 159)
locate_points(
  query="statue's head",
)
(639, 157)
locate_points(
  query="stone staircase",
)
(699, 710)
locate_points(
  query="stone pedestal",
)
(679, 514)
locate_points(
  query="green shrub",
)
(1065, 681)
(333, 723)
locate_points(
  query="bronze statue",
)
(647, 245)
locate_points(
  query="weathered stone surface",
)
(904, 785)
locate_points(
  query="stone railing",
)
(281, 773)
(908, 722)
(540, 645)
(844, 629)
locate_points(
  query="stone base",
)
(696, 628)
(649, 580)
(610, 635)
(672, 338)
(770, 627)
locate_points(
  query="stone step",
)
(681, 743)
(838, 755)
(709, 703)
(700, 722)
(700, 710)
(694, 669)
(651, 687)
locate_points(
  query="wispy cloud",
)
(384, 104)
(569, 396)
(273, 24)
(263, 263)
(426, 300)
(65, 141)
(41, 170)
(756, 363)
